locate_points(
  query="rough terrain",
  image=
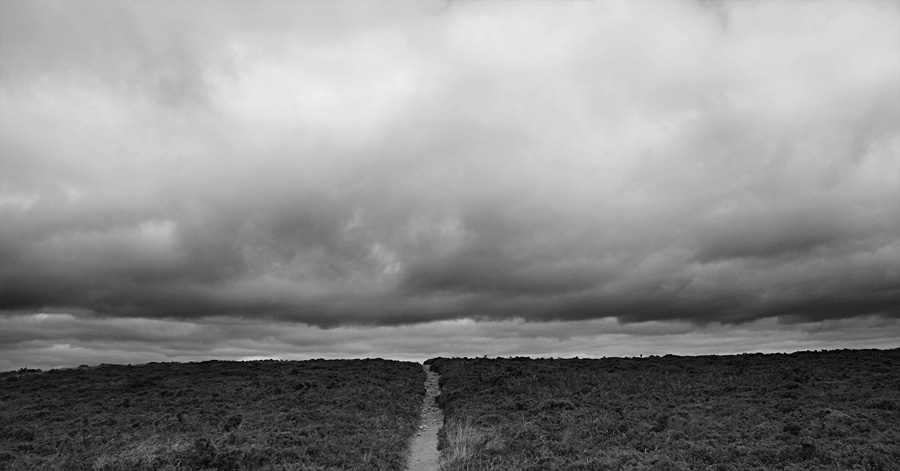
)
(423, 454)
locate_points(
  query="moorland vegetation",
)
(836, 410)
(216, 415)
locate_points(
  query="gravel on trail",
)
(423, 452)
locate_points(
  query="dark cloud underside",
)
(397, 163)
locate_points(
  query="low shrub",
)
(805, 411)
(345, 414)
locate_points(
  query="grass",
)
(826, 411)
(462, 440)
(268, 415)
(806, 411)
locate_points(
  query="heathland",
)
(837, 410)
(262, 415)
(834, 410)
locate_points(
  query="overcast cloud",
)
(369, 166)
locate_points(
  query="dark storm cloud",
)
(393, 164)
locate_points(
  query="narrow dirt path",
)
(423, 452)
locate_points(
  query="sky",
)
(409, 179)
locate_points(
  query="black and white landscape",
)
(453, 235)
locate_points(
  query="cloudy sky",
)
(406, 179)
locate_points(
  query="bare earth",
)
(423, 454)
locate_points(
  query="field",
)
(837, 410)
(267, 415)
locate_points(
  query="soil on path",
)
(423, 452)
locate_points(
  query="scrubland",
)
(837, 410)
(265, 415)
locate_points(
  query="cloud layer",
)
(63, 340)
(391, 164)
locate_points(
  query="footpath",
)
(423, 455)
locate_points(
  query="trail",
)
(423, 452)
